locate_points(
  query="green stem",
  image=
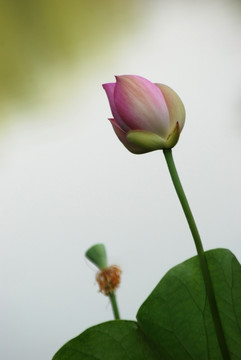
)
(114, 306)
(202, 258)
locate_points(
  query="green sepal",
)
(97, 255)
(173, 137)
(150, 141)
(145, 139)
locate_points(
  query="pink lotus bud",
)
(147, 116)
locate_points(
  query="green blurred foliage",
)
(36, 35)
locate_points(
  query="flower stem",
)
(202, 258)
(114, 305)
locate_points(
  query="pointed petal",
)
(109, 89)
(174, 104)
(141, 105)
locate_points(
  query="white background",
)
(66, 182)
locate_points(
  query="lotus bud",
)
(146, 116)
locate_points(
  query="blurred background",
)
(66, 182)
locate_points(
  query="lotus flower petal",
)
(175, 106)
(141, 104)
